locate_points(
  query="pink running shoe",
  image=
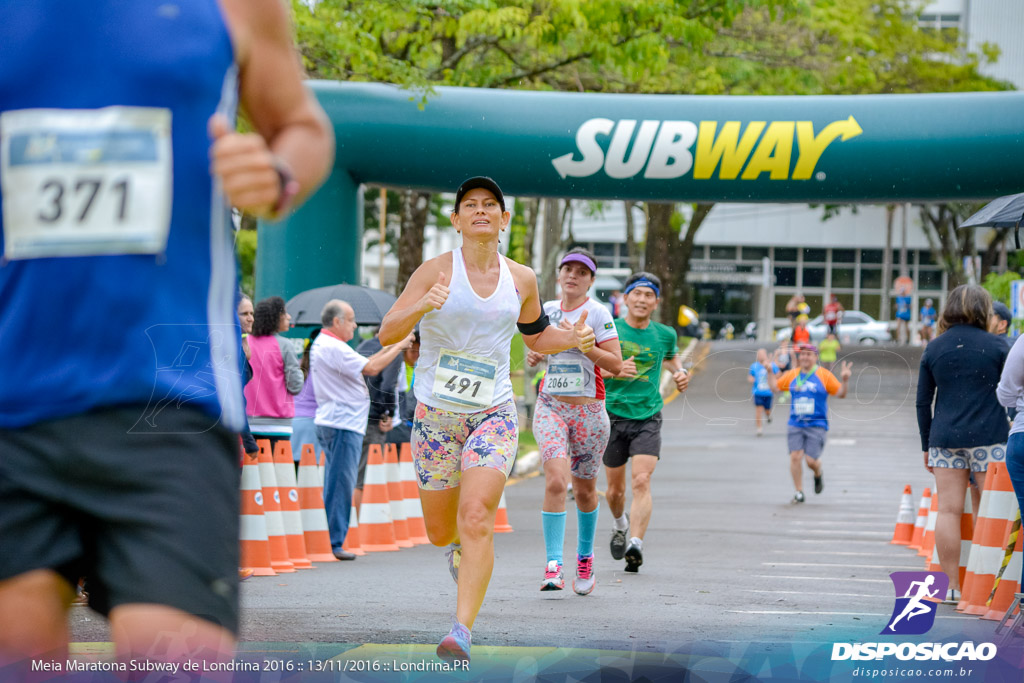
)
(585, 581)
(553, 580)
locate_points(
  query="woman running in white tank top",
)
(465, 433)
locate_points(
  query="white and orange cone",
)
(501, 523)
(254, 544)
(411, 497)
(315, 531)
(377, 533)
(904, 519)
(396, 498)
(922, 520)
(279, 559)
(995, 517)
(291, 514)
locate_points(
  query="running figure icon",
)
(916, 605)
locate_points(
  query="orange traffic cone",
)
(272, 511)
(928, 539)
(922, 520)
(411, 497)
(311, 509)
(904, 519)
(1008, 584)
(377, 533)
(501, 525)
(395, 496)
(254, 545)
(351, 543)
(966, 533)
(995, 517)
(291, 513)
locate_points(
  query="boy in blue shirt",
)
(760, 389)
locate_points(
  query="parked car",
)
(855, 326)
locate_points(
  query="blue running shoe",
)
(455, 646)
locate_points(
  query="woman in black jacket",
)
(968, 428)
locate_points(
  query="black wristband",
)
(537, 326)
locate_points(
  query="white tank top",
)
(569, 372)
(471, 332)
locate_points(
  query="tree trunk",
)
(662, 245)
(551, 246)
(415, 211)
(890, 213)
(531, 212)
(939, 223)
(700, 212)
(668, 256)
(632, 249)
(996, 249)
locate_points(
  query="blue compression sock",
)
(587, 523)
(554, 534)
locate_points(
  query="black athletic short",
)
(632, 437)
(146, 516)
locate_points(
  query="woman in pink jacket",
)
(276, 375)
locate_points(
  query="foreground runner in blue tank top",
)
(117, 289)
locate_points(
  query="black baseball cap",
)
(1002, 310)
(475, 182)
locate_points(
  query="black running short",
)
(146, 515)
(632, 437)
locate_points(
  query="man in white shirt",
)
(343, 404)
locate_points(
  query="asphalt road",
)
(727, 558)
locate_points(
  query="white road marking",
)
(821, 578)
(816, 594)
(844, 566)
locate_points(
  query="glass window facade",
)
(814, 277)
(785, 276)
(723, 253)
(815, 255)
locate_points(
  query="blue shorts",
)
(763, 401)
(810, 440)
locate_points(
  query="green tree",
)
(245, 250)
(999, 285)
(600, 45)
(741, 47)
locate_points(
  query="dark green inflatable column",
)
(318, 245)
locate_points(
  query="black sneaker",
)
(618, 544)
(798, 497)
(819, 485)
(769, 416)
(634, 558)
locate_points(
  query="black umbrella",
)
(369, 304)
(1004, 212)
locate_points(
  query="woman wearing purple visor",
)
(570, 423)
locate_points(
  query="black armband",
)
(537, 326)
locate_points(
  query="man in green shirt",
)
(633, 400)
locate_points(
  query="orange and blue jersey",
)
(810, 392)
